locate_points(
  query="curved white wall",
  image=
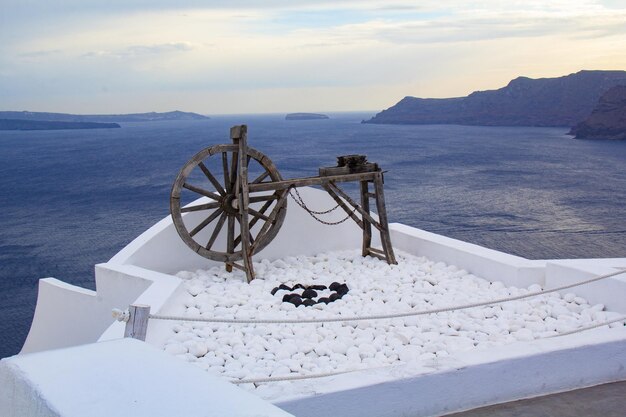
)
(66, 315)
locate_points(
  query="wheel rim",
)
(213, 174)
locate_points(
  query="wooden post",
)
(239, 134)
(367, 227)
(382, 218)
(137, 324)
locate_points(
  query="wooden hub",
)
(229, 204)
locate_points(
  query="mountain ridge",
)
(130, 117)
(524, 101)
(16, 124)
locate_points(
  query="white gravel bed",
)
(243, 351)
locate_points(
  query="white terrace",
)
(145, 273)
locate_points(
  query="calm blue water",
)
(70, 199)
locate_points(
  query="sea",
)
(70, 199)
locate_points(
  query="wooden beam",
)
(243, 195)
(378, 251)
(343, 205)
(358, 208)
(308, 181)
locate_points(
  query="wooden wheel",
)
(216, 175)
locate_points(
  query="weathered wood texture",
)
(240, 138)
(226, 207)
(330, 171)
(137, 324)
(367, 226)
(382, 218)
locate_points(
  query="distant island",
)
(306, 116)
(100, 118)
(15, 124)
(557, 102)
(608, 119)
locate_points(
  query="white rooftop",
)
(119, 378)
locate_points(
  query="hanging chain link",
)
(299, 201)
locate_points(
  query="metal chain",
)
(299, 201)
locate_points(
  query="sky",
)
(272, 56)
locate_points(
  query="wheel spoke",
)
(211, 178)
(261, 177)
(261, 211)
(205, 222)
(255, 219)
(201, 191)
(266, 226)
(256, 214)
(216, 231)
(230, 237)
(199, 207)
(226, 176)
(237, 241)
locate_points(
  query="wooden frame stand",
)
(232, 200)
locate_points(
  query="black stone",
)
(295, 300)
(333, 296)
(300, 286)
(342, 289)
(288, 297)
(284, 287)
(309, 293)
(318, 287)
(324, 300)
(275, 290)
(334, 286)
(308, 302)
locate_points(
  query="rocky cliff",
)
(608, 119)
(562, 101)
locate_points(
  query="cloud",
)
(138, 51)
(242, 48)
(39, 54)
(478, 25)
